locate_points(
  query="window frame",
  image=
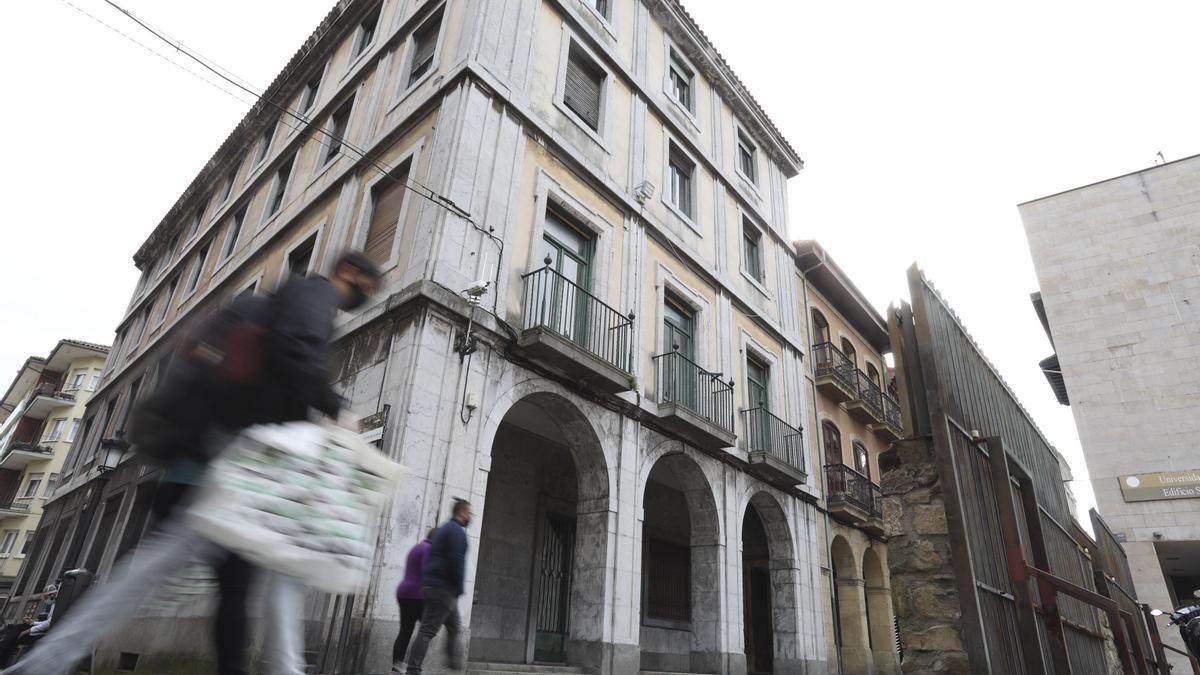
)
(741, 138)
(33, 484)
(78, 379)
(196, 272)
(764, 386)
(362, 46)
(329, 155)
(748, 225)
(675, 57)
(817, 336)
(8, 542)
(865, 469)
(168, 299)
(233, 235)
(571, 42)
(278, 192)
(410, 47)
(841, 456)
(676, 156)
(605, 14)
(72, 430)
(26, 544)
(849, 351)
(410, 156)
(553, 194)
(227, 187)
(315, 235)
(54, 432)
(262, 151)
(670, 144)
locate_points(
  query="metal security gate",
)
(553, 591)
(1026, 587)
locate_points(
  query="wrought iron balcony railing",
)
(683, 382)
(869, 393)
(555, 303)
(891, 412)
(767, 433)
(52, 390)
(845, 484)
(829, 360)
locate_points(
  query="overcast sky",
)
(922, 125)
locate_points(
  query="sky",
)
(922, 126)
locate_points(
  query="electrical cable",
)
(424, 191)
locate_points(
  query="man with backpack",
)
(259, 360)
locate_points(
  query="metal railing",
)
(50, 389)
(556, 303)
(829, 360)
(767, 433)
(27, 445)
(845, 484)
(20, 504)
(891, 412)
(869, 392)
(683, 382)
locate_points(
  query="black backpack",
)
(212, 380)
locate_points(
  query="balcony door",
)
(758, 388)
(566, 301)
(679, 333)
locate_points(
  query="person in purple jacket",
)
(408, 595)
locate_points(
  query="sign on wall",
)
(1144, 487)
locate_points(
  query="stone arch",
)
(781, 570)
(544, 531)
(681, 539)
(851, 620)
(878, 600)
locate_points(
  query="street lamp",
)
(111, 451)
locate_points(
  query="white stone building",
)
(622, 403)
(1118, 264)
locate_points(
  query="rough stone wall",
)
(924, 591)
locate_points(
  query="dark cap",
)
(359, 261)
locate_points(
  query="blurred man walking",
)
(441, 586)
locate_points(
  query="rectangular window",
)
(56, 429)
(308, 98)
(680, 170)
(167, 299)
(752, 250)
(249, 290)
(112, 507)
(50, 483)
(747, 157)
(668, 580)
(424, 44)
(601, 7)
(195, 226)
(28, 543)
(681, 78)
(34, 484)
(10, 538)
(80, 378)
(235, 231)
(569, 250)
(194, 276)
(227, 188)
(275, 201)
(95, 379)
(758, 383)
(264, 142)
(366, 32)
(339, 122)
(168, 255)
(584, 84)
(679, 327)
(300, 258)
(387, 197)
(74, 427)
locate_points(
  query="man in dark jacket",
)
(191, 409)
(441, 586)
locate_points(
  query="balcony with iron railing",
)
(17, 508)
(850, 496)
(694, 402)
(574, 332)
(834, 373)
(44, 398)
(18, 452)
(775, 448)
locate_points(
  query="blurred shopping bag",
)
(299, 498)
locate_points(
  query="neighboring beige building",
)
(40, 417)
(626, 409)
(854, 419)
(1119, 272)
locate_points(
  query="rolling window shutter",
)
(582, 93)
(387, 198)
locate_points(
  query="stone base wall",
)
(924, 591)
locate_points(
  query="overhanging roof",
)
(827, 277)
(60, 359)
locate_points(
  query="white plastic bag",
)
(299, 498)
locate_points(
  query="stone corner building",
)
(623, 402)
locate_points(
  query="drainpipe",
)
(833, 596)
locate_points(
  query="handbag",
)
(299, 498)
